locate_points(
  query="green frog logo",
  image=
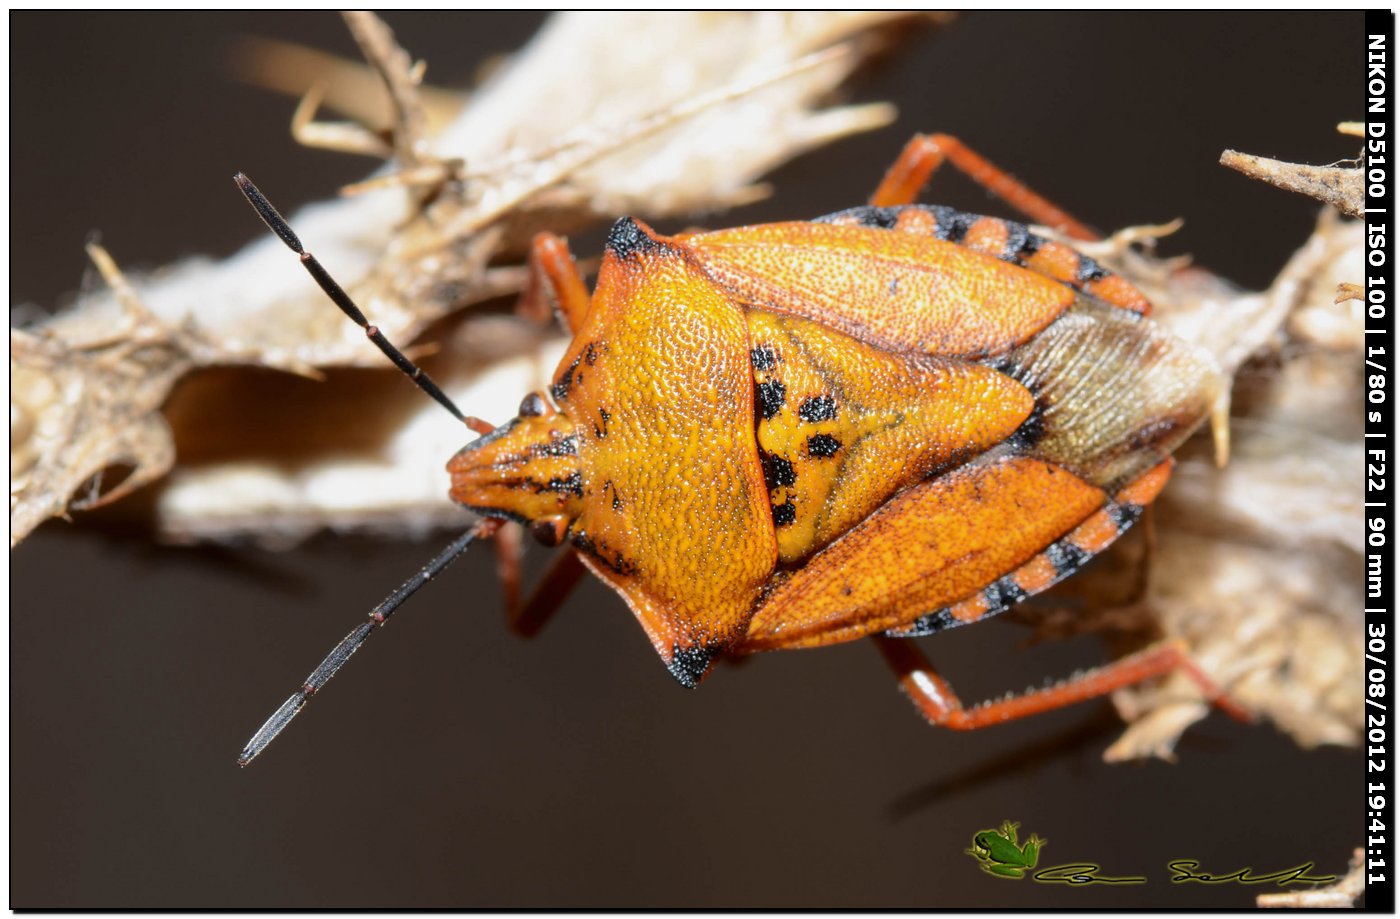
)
(1000, 853)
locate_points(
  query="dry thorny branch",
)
(1262, 572)
(536, 147)
(1258, 565)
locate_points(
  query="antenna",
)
(279, 226)
(381, 613)
(348, 646)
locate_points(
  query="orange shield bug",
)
(885, 422)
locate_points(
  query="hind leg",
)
(936, 701)
(926, 152)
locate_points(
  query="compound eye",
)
(532, 406)
(549, 531)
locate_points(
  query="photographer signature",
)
(1182, 872)
(1001, 853)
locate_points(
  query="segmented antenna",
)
(348, 646)
(279, 226)
(381, 613)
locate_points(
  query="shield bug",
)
(885, 422)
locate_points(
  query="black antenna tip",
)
(268, 213)
(338, 296)
(348, 645)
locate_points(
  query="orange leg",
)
(508, 552)
(926, 152)
(554, 276)
(935, 700)
(549, 595)
(558, 582)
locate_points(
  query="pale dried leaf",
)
(75, 412)
(654, 134)
(1258, 566)
(354, 89)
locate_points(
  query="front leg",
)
(554, 276)
(564, 574)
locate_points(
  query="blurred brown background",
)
(453, 765)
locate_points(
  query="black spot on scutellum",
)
(627, 238)
(817, 408)
(771, 395)
(763, 358)
(822, 446)
(778, 471)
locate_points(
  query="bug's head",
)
(526, 470)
